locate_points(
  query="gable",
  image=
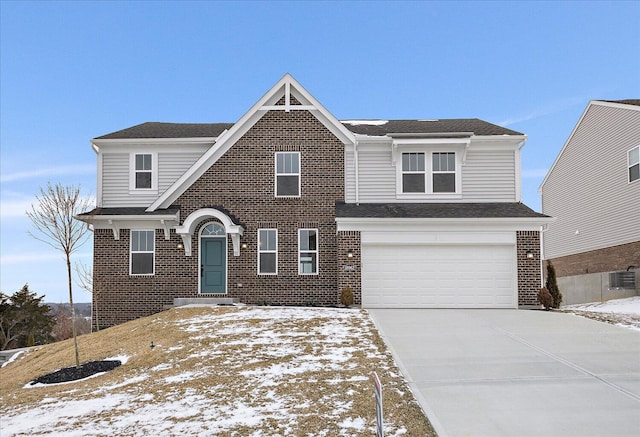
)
(288, 96)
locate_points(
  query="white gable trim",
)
(191, 222)
(286, 86)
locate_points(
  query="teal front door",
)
(213, 265)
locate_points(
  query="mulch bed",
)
(73, 373)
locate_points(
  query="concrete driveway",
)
(517, 372)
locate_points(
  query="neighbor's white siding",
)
(588, 190)
(116, 174)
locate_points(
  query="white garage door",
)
(438, 276)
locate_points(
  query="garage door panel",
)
(438, 276)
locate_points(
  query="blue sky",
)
(71, 71)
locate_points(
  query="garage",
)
(439, 275)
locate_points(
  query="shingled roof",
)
(635, 102)
(436, 210)
(168, 130)
(450, 125)
(363, 127)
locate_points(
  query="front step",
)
(182, 301)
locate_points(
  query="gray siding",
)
(115, 177)
(588, 190)
(350, 175)
(377, 176)
(489, 176)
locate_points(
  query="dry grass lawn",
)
(228, 371)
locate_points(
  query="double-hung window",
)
(428, 174)
(413, 173)
(267, 251)
(287, 174)
(143, 171)
(443, 171)
(142, 252)
(307, 251)
(634, 164)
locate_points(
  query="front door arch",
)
(213, 259)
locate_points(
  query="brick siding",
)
(529, 278)
(242, 183)
(349, 269)
(609, 259)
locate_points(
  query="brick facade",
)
(241, 182)
(529, 279)
(349, 269)
(609, 259)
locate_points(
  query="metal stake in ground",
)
(377, 386)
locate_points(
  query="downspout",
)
(355, 162)
(518, 174)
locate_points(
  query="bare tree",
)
(84, 275)
(53, 220)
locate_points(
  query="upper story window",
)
(634, 164)
(267, 251)
(308, 251)
(428, 175)
(413, 173)
(142, 252)
(287, 174)
(444, 172)
(144, 172)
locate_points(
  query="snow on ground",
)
(629, 305)
(252, 371)
(622, 312)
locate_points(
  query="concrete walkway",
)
(517, 372)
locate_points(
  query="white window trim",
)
(131, 252)
(409, 172)
(132, 173)
(259, 251)
(275, 171)
(429, 194)
(317, 251)
(629, 163)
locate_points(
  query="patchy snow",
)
(366, 122)
(629, 305)
(621, 312)
(251, 371)
(13, 358)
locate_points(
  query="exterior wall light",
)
(350, 253)
(530, 254)
(180, 246)
(244, 245)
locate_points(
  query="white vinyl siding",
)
(377, 176)
(349, 175)
(488, 175)
(588, 189)
(116, 177)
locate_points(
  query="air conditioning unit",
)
(626, 280)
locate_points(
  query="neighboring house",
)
(289, 205)
(593, 189)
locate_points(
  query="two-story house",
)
(593, 189)
(289, 205)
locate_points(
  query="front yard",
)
(231, 371)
